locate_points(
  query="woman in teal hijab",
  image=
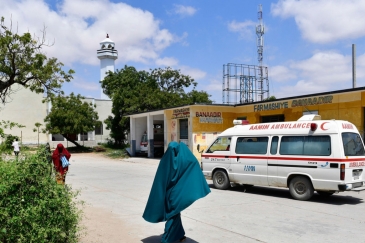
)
(178, 183)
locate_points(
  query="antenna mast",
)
(260, 52)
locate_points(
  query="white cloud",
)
(214, 85)
(245, 29)
(167, 61)
(325, 67)
(182, 39)
(324, 21)
(323, 71)
(281, 74)
(77, 33)
(195, 73)
(184, 10)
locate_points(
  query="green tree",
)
(38, 129)
(139, 91)
(22, 62)
(270, 98)
(70, 116)
(8, 124)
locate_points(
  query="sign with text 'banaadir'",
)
(209, 117)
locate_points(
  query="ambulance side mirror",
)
(198, 148)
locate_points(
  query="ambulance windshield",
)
(352, 144)
(220, 144)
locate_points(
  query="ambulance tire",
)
(221, 180)
(301, 188)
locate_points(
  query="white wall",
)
(104, 109)
(26, 108)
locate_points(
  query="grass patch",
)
(117, 154)
(112, 151)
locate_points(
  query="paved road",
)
(116, 192)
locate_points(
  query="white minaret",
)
(107, 55)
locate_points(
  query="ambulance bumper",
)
(358, 186)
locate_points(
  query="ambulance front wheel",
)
(301, 188)
(220, 180)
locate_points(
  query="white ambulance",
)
(307, 155)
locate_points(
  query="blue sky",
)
(308, 44)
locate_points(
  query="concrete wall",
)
(104, 109)
(26, 108)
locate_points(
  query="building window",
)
(275, 118)
(310, 112)
(57, 137)
(99, 128)
(73, 137)
(83, 136)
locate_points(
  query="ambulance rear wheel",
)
(220, 180)
(301, 188)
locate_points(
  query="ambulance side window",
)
(220, 144)
(252, 145)
(306, 145)
(352, 144)
(274, 145)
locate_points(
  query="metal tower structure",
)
(245, 83)
(260, 30)
(241, 85)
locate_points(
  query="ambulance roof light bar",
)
(310, 117)
(241, 122)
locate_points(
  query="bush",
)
(33, 208)
(9, 141)
(6, 146)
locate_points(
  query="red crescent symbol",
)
(322, 126)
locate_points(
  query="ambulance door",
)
(249, 160)
(272, 168)
(217, 156)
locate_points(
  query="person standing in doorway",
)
(16, 147)
(56, 158)
(178, 183)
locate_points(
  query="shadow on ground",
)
(335, 199)
(157, 239)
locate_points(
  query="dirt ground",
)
(100, 226)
